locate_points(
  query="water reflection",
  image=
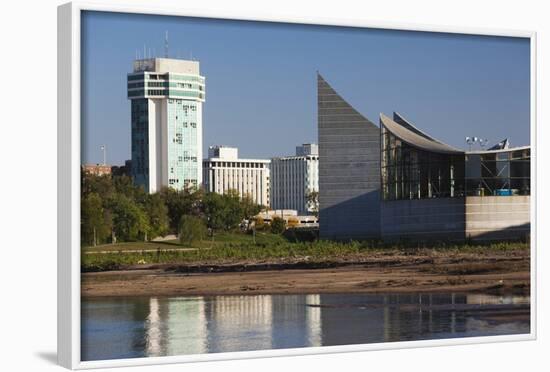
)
(234, 322)
(140, 327)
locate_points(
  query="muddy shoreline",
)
(491, 273)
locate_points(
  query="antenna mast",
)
(166, 44)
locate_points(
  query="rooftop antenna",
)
(166, 44)
(144, 52)
(473, 140)
(104, 149)
(470, 141)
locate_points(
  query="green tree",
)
(157, 212)
(313, 202)
(179, 203)
(223, 212)
(130, 222)
(124, 185)
(100, 185)
(192, 229)
(249, 208)
(95, 221)
(278, 225)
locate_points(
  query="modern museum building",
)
(395, 182)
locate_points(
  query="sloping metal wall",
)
(349, 169)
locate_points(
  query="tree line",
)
(113, 209)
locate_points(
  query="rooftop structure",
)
(307, 149)
(223, 152)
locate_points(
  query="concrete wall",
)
(473, 217)
(497, 217)
(162, 65)
(423, 219)
(349, 169)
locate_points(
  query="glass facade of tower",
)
(140, 142)
(182, 144)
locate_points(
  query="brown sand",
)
(457, 273)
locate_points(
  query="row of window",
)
(164, 84)
(185, 124)
(168, 76)
(231, 164)
(163, 92)
(183, 105)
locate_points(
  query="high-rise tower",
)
(167, 96)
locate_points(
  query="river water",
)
(136, 327)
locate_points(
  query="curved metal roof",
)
(400, 119)
(416, 140)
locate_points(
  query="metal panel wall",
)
(349, 169)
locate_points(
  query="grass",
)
(238, 247)
(218, 240)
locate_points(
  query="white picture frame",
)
(69, 69)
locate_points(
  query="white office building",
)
(293, 178)
(167, 97)
(224, 171)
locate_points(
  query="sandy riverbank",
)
(498, 273)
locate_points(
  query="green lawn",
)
(238, 247)
(219, 239)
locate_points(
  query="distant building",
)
(291, 217)
(167, 96)
(97, 169)
(122, 170)
(293, 178)
(224, 171)
(307, 149)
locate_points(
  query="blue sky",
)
(261, 80)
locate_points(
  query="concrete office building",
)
(426, 190)
(166, 98)
(224, 171)
(293, 178)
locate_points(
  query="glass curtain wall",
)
(410, 173)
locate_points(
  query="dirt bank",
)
(499, 273)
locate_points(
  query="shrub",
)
(191, 230)
(278, 225)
